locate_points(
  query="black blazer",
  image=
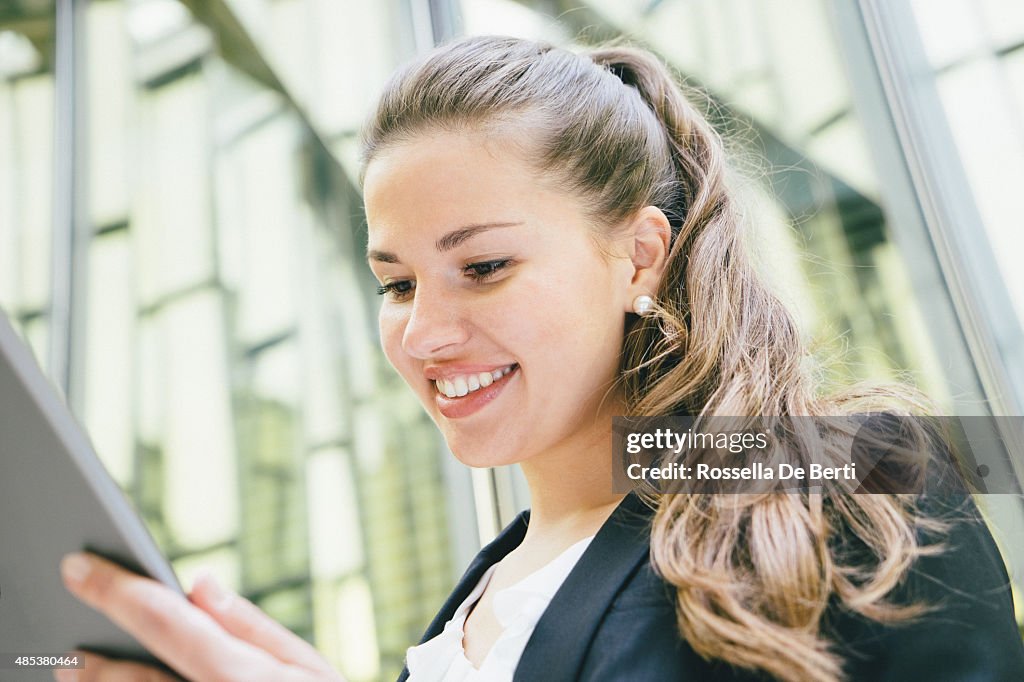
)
(613, 618)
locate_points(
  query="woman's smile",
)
(464, 394)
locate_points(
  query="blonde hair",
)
(753, 573)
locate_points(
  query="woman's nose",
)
(435, 323)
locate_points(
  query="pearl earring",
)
(642, 303)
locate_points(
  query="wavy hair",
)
(753, 573)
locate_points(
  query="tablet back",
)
(55, 497)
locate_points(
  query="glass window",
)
(26, 167)
(975, 59)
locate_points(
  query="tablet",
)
(56, 497)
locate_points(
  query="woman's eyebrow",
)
(456, 237)
(445, 243)
(382, 256)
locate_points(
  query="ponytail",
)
(753, 574)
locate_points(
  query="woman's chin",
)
(480, 457)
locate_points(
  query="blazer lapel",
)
(491, 554)
(559, 643)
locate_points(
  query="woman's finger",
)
(96, 668)
(245, 620)
(170, 627)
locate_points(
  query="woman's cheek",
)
(546, 313)
(391, 324)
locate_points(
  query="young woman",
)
(556, 244)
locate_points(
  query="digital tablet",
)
(56, 497)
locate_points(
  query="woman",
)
(556, 244)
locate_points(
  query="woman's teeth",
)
(461, 385)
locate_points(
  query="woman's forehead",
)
(448, 183)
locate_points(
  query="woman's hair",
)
(753, 573)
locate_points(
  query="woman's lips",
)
(458, 407)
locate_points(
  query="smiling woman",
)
(556, 243)
(624, 288)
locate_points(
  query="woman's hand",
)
(215, 636)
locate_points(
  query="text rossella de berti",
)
(667, 454)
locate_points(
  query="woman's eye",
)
(485, 269)
(398, 290)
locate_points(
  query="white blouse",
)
(517, 607)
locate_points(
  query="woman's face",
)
(499, 310)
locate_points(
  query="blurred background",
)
(182, 244)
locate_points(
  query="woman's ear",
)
(650, 237)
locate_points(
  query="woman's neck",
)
(571, 492)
